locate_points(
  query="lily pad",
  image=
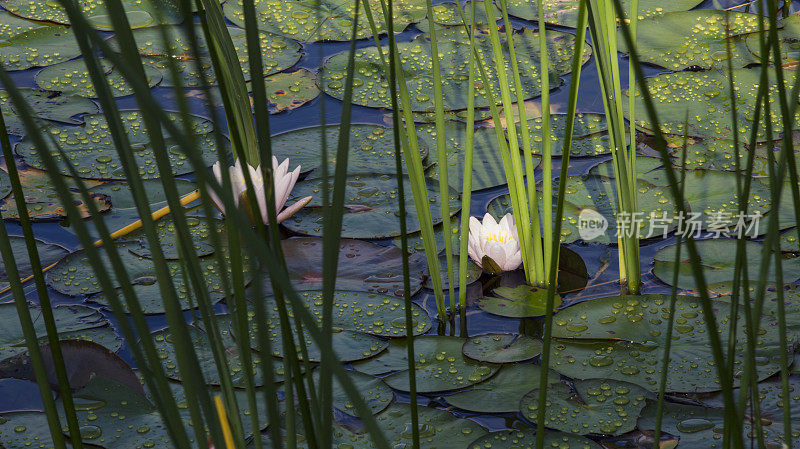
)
(72, 78)
(329, 20)
(501, 348)
(90, 148)
(371, 207)
(48, 254)
(41, 199)
(46, 105)
(139, 14)
(565, 12)
(526, 439)
(502, 392)
(788, 32)
(362, 266)
(415, 244)
(25, 429)
(38, 46)
(518, 302)
(75, 322)
(718, 257)
(716, 154)
(593, 406)
(694, 39)
(445, 13)
(590, 136)
(439, 365)
(370, 80)
(473, 272)
(288, 91)
(371, 148)
(373, 391)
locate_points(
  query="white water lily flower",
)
(497, 241)
(284, 183)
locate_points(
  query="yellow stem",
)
(223, 421)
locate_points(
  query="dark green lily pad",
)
(565, 12)
(371, 207)
(362, 266)
(704, 97)
(526, 439)
(139, 14)
(38, 46)
(329, 20)
(415, 244)
(592, 406)
(41, 199)
(72, 322)
(696, 39)
(72, 78)
(48, 253)
(456, 116)
(718, 257)
(501, 348)
(369, 82)
(46, 105)
(502, 392)
(590, 136)
(518, 302)
(287, 91)
(376, 394)
(90, 148)
(439, 365)
(473, 272)
(25, 429)
(371, 148)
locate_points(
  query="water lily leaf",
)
(565, 12)
(371, 148)
(25, 429)
(329, 20)
(455, 116)
(502, 392)
(287, 91)
(376, 394)
(590, 136)
(439, 365)
(593, 406)
(718, 257)
(704, 97)
(277, 52)
(370, 313)
(90, 148)
(501, 348)
(46, 105)
(42, 200)
(369, 82)
(788, 31)
(473, 272)
(694, 39)
(716, 154)
(139, 14)
(445, 13)
(487, 168)
(48, 254)
(76, 322)
(526, 439)
(38, 46)
(362, 266)
(72, 78)
(519, 302)
(414, 240)
(371, 207)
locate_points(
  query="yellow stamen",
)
(498, 237)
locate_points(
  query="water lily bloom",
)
(494, 246)
(284, 183)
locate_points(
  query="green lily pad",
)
(139, 14)
(72, 322)
(38, 46)
(473, 272)
(369, 83)
(370, 313)
(590, 136)
(487, 168)
(445, 13)
(287, 91)
(526, 439)
(718, 257)
(455, 116)
(25, 429)
(694, 39)
(502, 392)
(565, 12)
(42, 200)
(46, 105)
(329, 20)
(519, 302)
(371, 207)
(90, 148)
(48, 254)
(72, 78)
(501, 348)
(363, 266)
(373, 391)
(439, 365)
(716, 154)
(592, 406)
(415, 244)
(704, 97)
(788, 35)
(371, 148)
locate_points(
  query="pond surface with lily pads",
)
(477, 374)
